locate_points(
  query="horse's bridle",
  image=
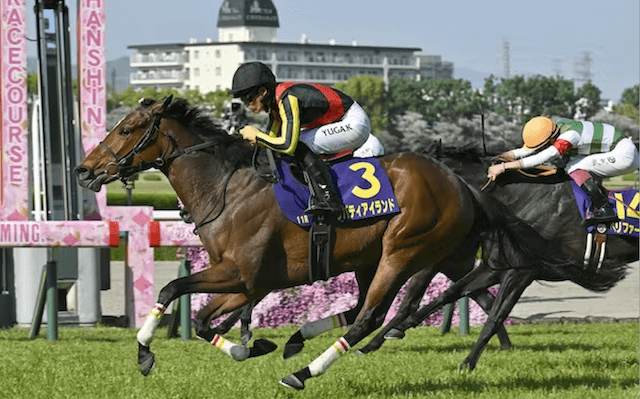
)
(124, 168)
(123, 163)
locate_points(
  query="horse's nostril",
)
(80, 171)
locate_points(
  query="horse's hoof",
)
(290, 350)
(245, 338)
(464, 367)
(262, 347)
(146, 360)
(206, 335)
(394, 334)
(359, 353)
(291, 381)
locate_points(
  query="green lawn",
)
(564, 361)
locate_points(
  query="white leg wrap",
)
(153, 320)
(311, 329)
(322, 362)
(237, 352)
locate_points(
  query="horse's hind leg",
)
(479, 278)
(382, 291)
(410, 303)
(514, 283)
(312, 329)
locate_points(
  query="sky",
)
(545, 37)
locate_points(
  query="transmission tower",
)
(583, 69)
(506, 61)
(557, 66)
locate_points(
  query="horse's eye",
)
(124, 132)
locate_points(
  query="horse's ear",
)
(159, 108)
(167, 101)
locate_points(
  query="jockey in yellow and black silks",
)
(304, 120)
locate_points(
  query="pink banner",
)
(14, 173)
(59, 234)
(92, 67)
(173, 234)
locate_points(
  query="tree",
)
(591, 95)
(631, 96)
(369, 92)
(533, 96)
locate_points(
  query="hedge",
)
(160, 201)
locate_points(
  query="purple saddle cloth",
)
(362, 183)
(624, 202)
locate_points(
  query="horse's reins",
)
(545, 170)
(124, 168)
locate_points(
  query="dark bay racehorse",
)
(548, 204)
(254, 249)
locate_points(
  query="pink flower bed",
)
(295, 306)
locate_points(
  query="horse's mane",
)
(467, 152)
(231, 148)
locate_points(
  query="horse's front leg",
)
(513, 284)
(204, 316)
(206, 281)
(220, 305)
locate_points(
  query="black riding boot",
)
(324, 196)
(604, 212)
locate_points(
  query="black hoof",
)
(360, 353)
(146, 360)
(245, 338)
(291, 381)
(394, 334)
(206, 334)
(465, 367)
(262, 347)
(293, 346)
(290, 350)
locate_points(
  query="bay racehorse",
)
(548, 204)
(254, 249)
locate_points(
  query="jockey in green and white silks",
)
(594, 149)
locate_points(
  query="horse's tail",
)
(508, 242)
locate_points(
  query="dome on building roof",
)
(235, 13)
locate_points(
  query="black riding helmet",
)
(249, 77)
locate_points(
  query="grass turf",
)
(577, 360)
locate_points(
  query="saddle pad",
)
(362, 183)
(624, 201)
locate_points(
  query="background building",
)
(247, 32)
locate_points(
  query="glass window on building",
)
(261, 55)
(196, 72)
(218, 71)
(320, 57)
(217, 53)
(196, 54)
(292, 56)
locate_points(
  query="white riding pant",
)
(622, 159)
(348, 133)
(371, 148)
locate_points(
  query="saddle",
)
(365, 190)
